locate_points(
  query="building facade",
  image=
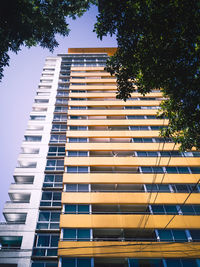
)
(95, 184)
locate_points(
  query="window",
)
(139, 128)
(152, 170)
(28, 150)
(77, 153)
(58, 138)
(45, 245)
(41, 100)
(72, 234)
(61, 101)
(141, 117)
(76, 209)
(53, 180)
(78, 117)
(37, 118)
(76, 262)
(43, 93)
(195, 234)
(78, 99)
(190, 209)
(164, 209)
(177, 170)
(55, 165)
(59, 128)
(62, 94)
(146, 262)
(147, 154)
(9, 242)
(33, 138)
(48, 220)
(76, 107)
(77, 188)
(23, 164)
(151, 140)
(142, 140)
(181, 262)
(77, 128)
(60, 117)
(44, 264)
(51, 199)
(77, 140)
(79, 169)
(172, 235)
(157, 188)
(56, 151)
(35, 128)
(60, 109)
(24, 179)
(156, 128)
(78, 91)
(39, 109)
(195, 169)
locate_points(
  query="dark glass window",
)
(195, 234)
(76, 234)
(43, 241)
(59, 128)
(83, 209)
(171, 170)
(44, 216)
(76, 262)
(77, 187)
(158, 209)
(77, 140)
(75, 128)
(171, 209)
(55, 165)
(70, 208)
(46, 195)
(165, 235)
(67, 262)
(51, 180)
(172, 235)
(79, 169)
(145, 263)
(179, 235)
(56, 151)
(173, 263)
(163, 187)
(195, 169)
(77, 153)
(183, 170)
(80, 209)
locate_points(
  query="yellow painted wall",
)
(121, 146)
(113, 112)
(118, 122)
(130, 221)
(131, 161)
(129, 178)
(113, 103)
(129, 249)
(129, 198)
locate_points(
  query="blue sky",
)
(18, 89)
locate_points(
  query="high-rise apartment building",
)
(95, 184)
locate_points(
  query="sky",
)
(18, 89)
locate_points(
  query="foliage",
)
(32, 22)
(158, 47)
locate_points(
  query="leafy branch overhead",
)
(158, 47)
(35, 22)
